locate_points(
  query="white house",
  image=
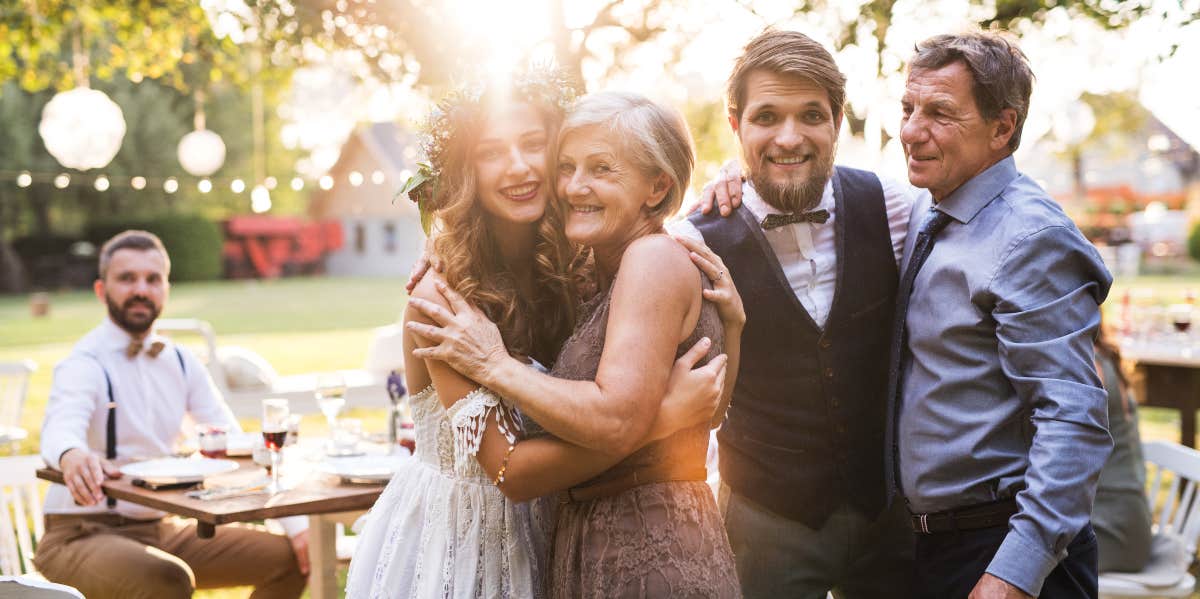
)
(382, 237)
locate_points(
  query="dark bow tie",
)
(135, 346)
(778, 220)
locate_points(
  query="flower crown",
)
(540, 85)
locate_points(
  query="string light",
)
(377, 177)
(260, 199)
(205, 185)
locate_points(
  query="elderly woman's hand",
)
(464, 338)
(724, 293)
(693, 394)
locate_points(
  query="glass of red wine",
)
(275, 415)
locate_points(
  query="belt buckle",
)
(924, 520)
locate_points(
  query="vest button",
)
(829, 373)
(826, 344)
(834, 402)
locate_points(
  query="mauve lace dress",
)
(663, 539)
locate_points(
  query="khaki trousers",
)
(161, 559)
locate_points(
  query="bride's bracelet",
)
(499, 480)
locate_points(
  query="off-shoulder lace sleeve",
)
(468, 420)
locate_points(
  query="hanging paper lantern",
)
(82, 128)
(201, 152)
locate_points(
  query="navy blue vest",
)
(804, 433)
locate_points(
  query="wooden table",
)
(1171, 371)
(321, 496)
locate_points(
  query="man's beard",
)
(120, 314)
(794, 196)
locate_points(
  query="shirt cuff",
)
(293, 525)
(52, 452)
(1022, 564)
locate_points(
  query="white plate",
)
(169, 470)
(379, 468)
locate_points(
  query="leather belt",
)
(105, 518)
(983, 515)
(645, 475)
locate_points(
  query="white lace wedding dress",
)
(441, 528)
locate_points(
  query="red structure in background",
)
(272, 246)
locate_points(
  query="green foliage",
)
(193, 242)
(1194, 242)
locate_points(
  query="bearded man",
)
(123, 393)
(813, 250)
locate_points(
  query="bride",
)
(449, 524)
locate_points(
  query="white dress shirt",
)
(153, 396)
(807, 252)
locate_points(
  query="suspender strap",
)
(182, 366)
(110, 441)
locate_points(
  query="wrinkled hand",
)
(424, 262)
(464, 338)
(990, 587)
(724, 293)
(693, 394)
(725, 190)
(83, 473)
(300, 548)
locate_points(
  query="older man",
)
(122, 393)
(999, 418)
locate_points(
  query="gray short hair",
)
(131, 240)
(654, 138)
(1001, 73)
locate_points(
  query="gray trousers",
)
(850, 556)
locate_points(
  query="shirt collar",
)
(760, 208)
(966, 201)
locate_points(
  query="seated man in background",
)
(1120, 514)
(123, 393)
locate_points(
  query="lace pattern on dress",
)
(468, 420)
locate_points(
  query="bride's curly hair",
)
(533, 326)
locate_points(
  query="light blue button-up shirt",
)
(1000, 394)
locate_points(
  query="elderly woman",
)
(647, 526)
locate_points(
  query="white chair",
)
(363, 388)
(20, 514)
(1173, 471)
(14, 384)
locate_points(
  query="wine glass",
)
(274, 429)
(331, 396)
(1181, 319)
